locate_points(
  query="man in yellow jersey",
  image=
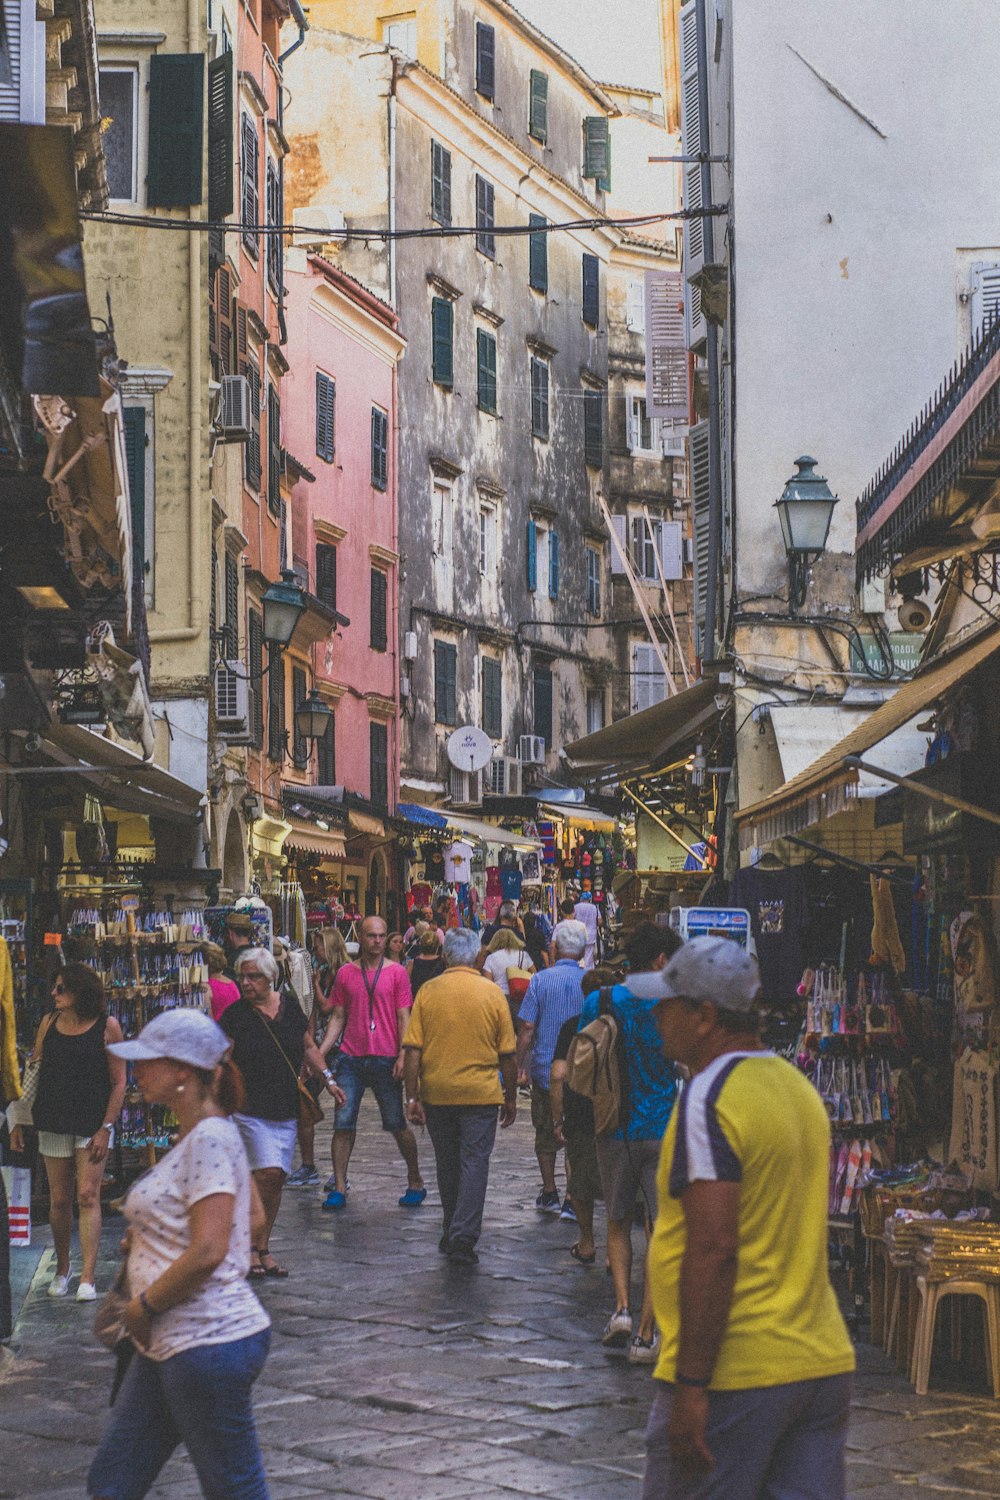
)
(755, 1370)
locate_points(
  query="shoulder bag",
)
(310, 1112)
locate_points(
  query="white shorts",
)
(52, 1143)
(268, 1143)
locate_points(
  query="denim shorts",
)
(201, 1398)
(355, 1074)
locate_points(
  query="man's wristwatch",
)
(327, 1074)
(109, 1126)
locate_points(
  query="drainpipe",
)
(714, 559)
(392, 187)
(299, 17)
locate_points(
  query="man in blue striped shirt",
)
(554, 995)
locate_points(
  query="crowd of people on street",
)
(645, 1074)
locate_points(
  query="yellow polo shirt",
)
(461, 1024)
(752, 1118)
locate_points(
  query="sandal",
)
(256, 1271)
(585, 1260)
(273, 1269)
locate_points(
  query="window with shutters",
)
(213, 589)
(597, 151)
(635, 314)
(442, 341)
(440, 184)
(538, 106)
(643, 430)
(255, 670)
(442, 538)
(593, 581)
(231, 602)
(326, 396)
(539, 397)
(541, 692)
(694, 140)
(700, 526)
(176, 129)
(326, 758)
(532, 556)
(249, 182)
(649, 682)
(591, 290)
(666, 346)
(538, 254)
(593, 428)
(595, 710)
(492, 682)
(485, 222)
(401, 33)
(984, 295)
(326, 575)
(485, 60)
(119, 95)
(251, 448)
(445, 670)
(379, 610)
(220, 323)
(275, 703)
(220, 151)
(646, 542)
(380, 448)
(378, 746)
(553, 564)
(273, 211)
(139, 463)
(273, 449)
(486, 370)
(488, 541)
(300, 745)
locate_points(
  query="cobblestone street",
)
(396, 1376)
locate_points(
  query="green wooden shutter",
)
(231, 591)
(443, 333)
(326, 397)
(378, 754)
(542, 685)
(220, 136)
(591, 290)
(250, 182)
(255, 654)
(538, 254)
(275, 703)
(485, 60)
(538, 107)
(593, 437)
(300, 745)
(445, 665)
(539, 398)
(532, 556)
(492, 675)
(326, 575)
(485, 221)
(597, 150)
(378, 612)
(272, 208)
(273, 450)
(176, 129)
(440, 184)
(326, 759)
(135, 459)
(553, 565)
(486, 360)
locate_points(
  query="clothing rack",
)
(855, 864)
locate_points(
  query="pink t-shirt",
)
(370, 1029)
(224, 992)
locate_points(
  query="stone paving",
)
(396, 1376)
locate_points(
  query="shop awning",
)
(424, 817)
(120, 775)
(643, 740)
(800, 731)
(828, 785)
(312, 840)
(268, 835)
(444, 820)
(362, 822)
(578, 815)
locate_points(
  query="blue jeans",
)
(200, 1398)
(355, 1074)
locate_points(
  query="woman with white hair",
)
(270, 1043)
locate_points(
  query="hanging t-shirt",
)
(511, 883)
(458, 863)
(776, 902)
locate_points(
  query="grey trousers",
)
(780, 1442)
(462, 1136)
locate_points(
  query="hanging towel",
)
(887, 947)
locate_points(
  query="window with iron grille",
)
(275, 703)
(485, 222)
(326, 575)
(445, 667)
(326, 399)
(273, 248)
(380, 448)
(492, 673)
(440, 184)
(593, 581)
(300, 745)
(255, 667)
(326, 758)
(250, 183)
(378, 740)
(539, 397)
(379, 610)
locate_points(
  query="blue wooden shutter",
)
(593, 438)
(176, 129)
(538, 107)
(135, 458)
(486, 372)
(443, 332)
(553, 565)
(532, 556)
(591, 290)
(597, 151)
(538, 254)
(485, 60)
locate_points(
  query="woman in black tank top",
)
(80, 1094)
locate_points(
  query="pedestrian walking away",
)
(554, 995)
(371, 1007)
(270, 1044)
(460, 1077)
(755, 1370)
(79, 1094)
(329, 955)
(200, 1335)
(629, 1152)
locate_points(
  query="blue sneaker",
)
(335, 1200)
(413, 1197)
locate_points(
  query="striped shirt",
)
(554, 995)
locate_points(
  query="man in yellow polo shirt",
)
(755, 1370)
(458, 1047)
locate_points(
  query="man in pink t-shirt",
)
(371, 1003)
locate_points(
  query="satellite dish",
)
(469, 749)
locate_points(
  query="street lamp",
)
(283, 604)
(805, 510)
(312, 717)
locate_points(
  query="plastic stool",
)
(932, 1293)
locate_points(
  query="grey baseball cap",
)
(184, 1035)
(706, 968)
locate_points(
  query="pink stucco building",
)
(339, 420)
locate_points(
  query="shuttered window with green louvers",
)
(220, 151)
(176, 129)
(300, 745)
(231, 586)
(275, 703)
(538, 254)
(135, 459)
(445, 669)
(593, 428)
(326, 575)
(591, 290)
(443, 335)
(326, 400)
(486, 362)
(255, 666)
(380, 448)
(538, 106)
(492, 697)
(485, 60)
(379, 610)
(326, 758)
(440, 184)
(597, 151)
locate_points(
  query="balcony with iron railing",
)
(952, 440)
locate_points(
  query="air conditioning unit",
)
(465, 787)
(232, 709)
(503, 777)
(531, 750)
(318, 224)
(233, 423)
(674, 439)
